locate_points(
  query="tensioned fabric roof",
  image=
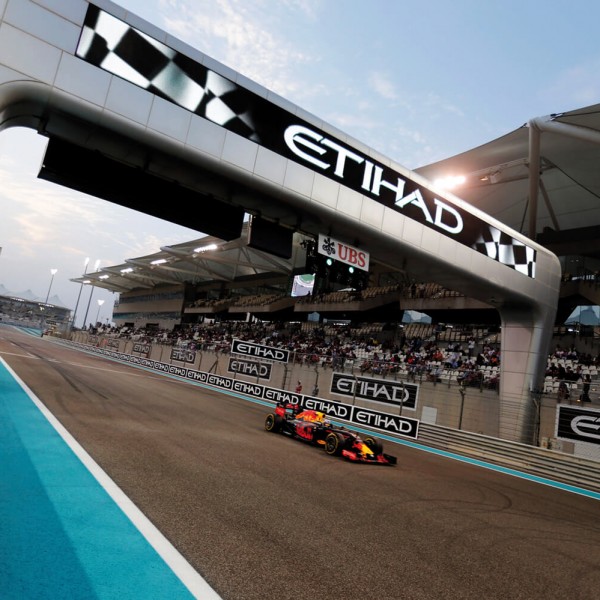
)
(555, 160)
(202, 260)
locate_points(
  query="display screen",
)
(270, 237)
(303, 285)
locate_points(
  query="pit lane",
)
(261, 516)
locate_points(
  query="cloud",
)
(240, 35)
(436, 102)
(382, 85)
(245, 36)
(576, 86)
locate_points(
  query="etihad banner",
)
(142, 349)
(259, 351)
(120, 49)
(363, 416)
(578, 424)
(183, 355)
(250, 368)
(397, 393)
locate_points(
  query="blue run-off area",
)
(62, 535)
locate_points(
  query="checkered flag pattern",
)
(506, 250)
(121, 50)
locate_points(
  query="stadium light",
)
(206, 248)
(53, 273)
(85, 265)
(100, 303)
(450, 182)
(96, 265)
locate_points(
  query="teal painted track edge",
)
(179, 566)
(472, 461)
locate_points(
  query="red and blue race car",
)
(314, 427)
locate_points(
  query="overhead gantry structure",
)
(132, 114)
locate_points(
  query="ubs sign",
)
(328, 246)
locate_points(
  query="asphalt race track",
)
(264, 517)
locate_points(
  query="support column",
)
(534, 177)
(526, 339)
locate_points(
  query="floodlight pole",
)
(91, 294)
(100, 303)
(88, 307)
(87, 260)
(53, 273)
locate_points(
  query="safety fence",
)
(544, 462)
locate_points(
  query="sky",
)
(417, 81)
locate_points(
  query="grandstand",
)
(34, 314)
(179, 286)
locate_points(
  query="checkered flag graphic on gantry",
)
(121, 50)
(507, 250)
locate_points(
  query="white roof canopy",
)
(555, 161)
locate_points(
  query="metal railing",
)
(541, 462)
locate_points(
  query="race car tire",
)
(273, 423)
(334, 443)
(375, 445)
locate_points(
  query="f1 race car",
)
(314, 427)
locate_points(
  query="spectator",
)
(563, 391)
(585, 395)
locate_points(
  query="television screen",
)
(303, 285)
(270, 237)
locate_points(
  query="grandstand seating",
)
(412, 353)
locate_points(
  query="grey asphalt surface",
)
(263, 517)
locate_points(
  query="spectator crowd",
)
(470, 362)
